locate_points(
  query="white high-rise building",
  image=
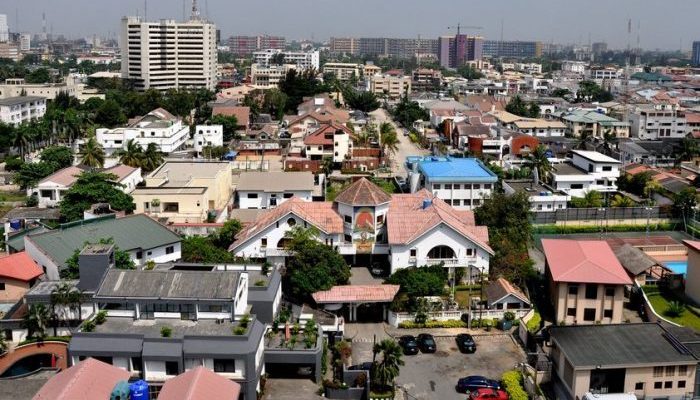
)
(4, 29)
(25, 41)
(302, 60)
(168, 54)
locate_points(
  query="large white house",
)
(260, 190)
(208, 136)
(158, 126)
(300, 59)
(414, 229)
(16, 110)
(586, 171)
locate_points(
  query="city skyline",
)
(519, 19)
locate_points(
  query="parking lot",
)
(434, 376)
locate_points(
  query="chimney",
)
(93, 262)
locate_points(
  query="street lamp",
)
(648, 210)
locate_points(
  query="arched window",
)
(291, 222)
(440, 252)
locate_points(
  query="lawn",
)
(462, 295)
(660, 301)
(13, 196)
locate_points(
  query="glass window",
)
(610, 291)
(436, 186)
(668, 384)
(448, 186)
(639, 386)
(252, 195)
(291, 222)
(476, 186)
(263, 242)
(608, 313)
(412, 252)
(591, 291)
(224, 365)
(457, 186)
(171, 368)
(169, 250)
(348, 219)
(571, 312)
(2, 286)
(573, 289)
(681, 384)
(589, 314)
(658, 372)
(682, 370)
(137, 364)
(348, 238)
(671, 370)
(487, 186)
(658, 385)
(171, 207)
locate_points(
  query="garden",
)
(673, 306)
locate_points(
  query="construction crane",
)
(460, 26)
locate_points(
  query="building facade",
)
(18, 110)
(263, 190)
(390, 86)
(658, 121)
(246, 45)
(302, 60)
(512, 49)
(168, 54)
(586, 171)
(160, 127)
(208, 136)
(456, 51)
(696, 53)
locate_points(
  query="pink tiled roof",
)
(407, 220)
(692, 118)
(199, 384)
(321, 215)
(318, 137)
(65, 176)
(357, 294)
(87, 380)
(19, 266)
(583, 261)
(241, 113)
(121, 171)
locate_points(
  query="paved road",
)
(406, 148)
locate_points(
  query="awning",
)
(357, 294)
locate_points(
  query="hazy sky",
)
(664, 23)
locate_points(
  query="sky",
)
(664, 24)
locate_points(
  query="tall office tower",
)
(696, 54)
(4, 29)
(168, 54)
(598, 48)
(455, 51)
(344, 45)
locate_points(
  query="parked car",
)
(470, 383)
(466, 343)
(408, 344)
(426, 343)
(488, 394)
(365, 366)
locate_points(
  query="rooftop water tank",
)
(121, 391)
(139, 390)
(427, 203)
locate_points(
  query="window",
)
(348, 219)
(470, 252)
(671, 370)
(539, 207)
(263, 242)
(608, 313)
(171, 207)
(107, 360)
(639, 386)
(448, 186)
(657, 385)
(348, 238)
(291, 222)
(573, 289)
(448, 201)
(171, 368)
(457, 186)
(224, 365)
(668, 384)
(169, 250)
(136, 364)
(436, 186)
(139, 255)
(476, 186)
(591, 291)
(476, 202)
(681, 384)
(412, 253)
(487, 186)
(607, 168)
(252, 195)
(2, 286)
(658, 372)
(380, 219)
(610, 291)
(576, 186)
(570, 312)
(288, 195)
(682, 370)
(589, 314)
(457, 202)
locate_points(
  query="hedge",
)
(450, 323)
(568, 229)
(513, 384)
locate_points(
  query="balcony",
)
(446, 262)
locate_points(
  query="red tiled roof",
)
(321, 215)
(363, 193)
(87, 380)
(19, 266)
(693, 244)
(199, 384)
(318, 137)
(407, 220)
(357, 294)
(583, 261)
(692, 118)
(241, 113)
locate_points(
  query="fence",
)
(250, 165)
(604, 216)
(395, 318)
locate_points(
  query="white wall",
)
(208, 135)
(154, 370)
(262, 200)
(462, 198)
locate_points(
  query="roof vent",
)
(427, 203)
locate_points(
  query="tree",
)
(388, 139)
(230, 125)
(409, 112)
(533, 110)
(94, 187)
(132, 155)
(416, 282)
(517, 106)
(30, 174)
(560, 92)
(65, 298)
(122, 260)
(152, 158)
(583, 140)
(622, 201)
(360, 100)
(297, 85)
(537, 161)
(689, 149)
(227, 234)
(110, 114)
(36, 320)
(21, 140)
(591, 199)
(684, 202)
(40, 75)
(13, 164)
(59, 156)
(469, 72)
(591, 91)
(92, 154)
(199, 249)
(385, 371)
(313, 266)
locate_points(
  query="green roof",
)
(650, 77)
(135, 232)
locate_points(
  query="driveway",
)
(290, 389)
(405, 147)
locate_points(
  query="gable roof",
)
(501, 288)
(318, 137)
(19, 266)
(65, 176)
(241, 113)
(407, 219)
(634, 260)
(583, 261)
(357, 294)
(129, 233)
(199, 384)
(89, 379)
(363, 193)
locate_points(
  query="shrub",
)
(513, 384)
(88, 326)
(166, 331)
(361, 380)
(265, 269)
(101, 317)
(508, 316)
(420, 318)
(260, 282)
(675, 309)
(451, 323)
(295, 329)
(245, 320)
(150, 264)
(239, 330)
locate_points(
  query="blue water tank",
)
(121, 391)
(427, 203)
(15, 224)
(139, 390)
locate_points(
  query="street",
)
(405, 147)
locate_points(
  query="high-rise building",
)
(4, 29)
(512, 49)
(168, 54)
(455, 51)
(25, 41)
(599, 48)
(696, 53)
(385, 47)
(246, 45)
(344, 45)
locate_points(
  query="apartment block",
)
(343, 71)
(512, 49)
(17, 110)
(246, 45)
(390, 86)
(300, 59)
(344, 45)
(160, 127)
(270, 76)
(456, 51)
(696, 54)
(658, 121)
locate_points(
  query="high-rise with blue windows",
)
(696, 54)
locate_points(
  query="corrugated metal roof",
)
(218, 285)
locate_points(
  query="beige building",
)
(586, 281)
(692, 278)
(644, 359)
(18, 272)
(343, 71)
(390, 86)
(186, 192)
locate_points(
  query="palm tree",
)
(622, 201)
(67, 298)
(385, 371)
(593, 198)
(35, 320)
(537, 160)
(93, 155)
(651, 188)
(133, 154)
(582, 140)
(152, 158)
(609, 139)
(21, 140)
(388, 140)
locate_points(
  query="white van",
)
(609, 396)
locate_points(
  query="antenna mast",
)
(195, 11)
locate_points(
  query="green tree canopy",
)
(94, 187)
(30, 174)
(227, 234)
(297, 85)
(230, 125)
(522, 108)
(469, 72)
(684, 202)
(200, 249)
(408, 112)
(122, 260)
(109, 114)
(60, 156)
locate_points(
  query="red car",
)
(488, 394)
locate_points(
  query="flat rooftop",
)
(275, 181)
(528, 186)
(180, 172)
(567, 169)
(595, 156)
(180, 328)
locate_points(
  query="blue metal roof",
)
(450, 169)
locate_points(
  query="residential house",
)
(692, 276)
(50, 190)
(208, 136)
(503, 295)
(586, 281)
(658, 121)
(530, 126)
(18, 272)
(542, 198)
(330, 140)
(199, 383)
(406, 229)
(184, 191)
(641, 267)
(593, 124)
(643, 359)
(87, 379)
(261, 190)
(140, 236)
(586, 171)
(159, 126)
(18, 110)
(463, 183)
